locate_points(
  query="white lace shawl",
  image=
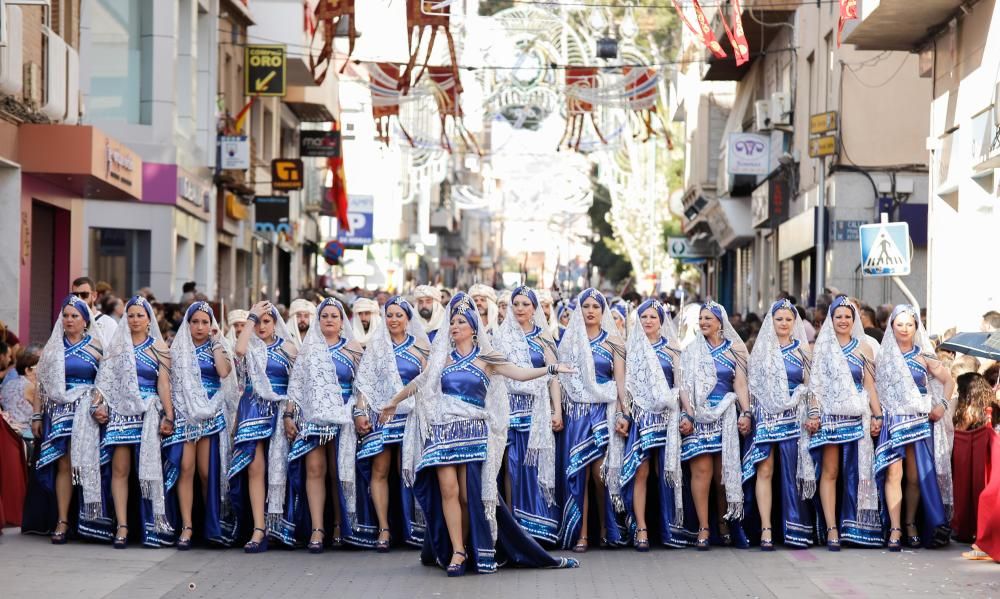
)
(315, 388)
(581, 387)
(648, 389)
(698, 376)
(378, 374)
(191, 398)
(833, 386)
(899, 395)
(768, 381)
(433, 407)
(512, 342)
(118, 382)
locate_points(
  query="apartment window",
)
(120, 84)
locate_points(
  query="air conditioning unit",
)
(781, 108)
(62, 80)
(11, 52)
(762, 115)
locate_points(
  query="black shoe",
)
(895, 545)
(641, 545)
(59, 538)
(256, 546)
(703, 544)
(382, 546)
(121, 542)
(766, 544)
(184, 544)
(316, 547)
(455, 570)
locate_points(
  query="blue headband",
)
(526, 292)
(402, 303)
(138, 300)
(198, 307)
(330, 301)
(79, 305)
(463, 305)
(652, 303)
(714, 308)
(620, 309)
(839, 302)
(783, 304)
(904, 309)
(591, 293)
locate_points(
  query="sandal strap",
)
(383, 530)
(319, 530)
(260, 529)
(462, 553)
(183, 528)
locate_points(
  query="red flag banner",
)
(704, 30)
(737, 36)
(337, 192)
(848, 12)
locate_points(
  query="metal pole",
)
(821, 231)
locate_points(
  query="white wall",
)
(10, 245)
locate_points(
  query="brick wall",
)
(65, 23)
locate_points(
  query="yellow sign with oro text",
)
(265, 67)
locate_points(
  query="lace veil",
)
(378, 377)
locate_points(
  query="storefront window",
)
(122, 258)
(121, 41)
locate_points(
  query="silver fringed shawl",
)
(698, 376)
(899, 395)
(512, 342)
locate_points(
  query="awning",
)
(898, 24)
(759, 37)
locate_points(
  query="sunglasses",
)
(82, 294)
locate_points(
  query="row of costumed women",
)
(480, 444)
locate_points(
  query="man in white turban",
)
(429, 308)
(545, 301)
(235, 321)
(300, 315)
(366, 317)
(503, 300)
(486, 302)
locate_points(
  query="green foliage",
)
(606, 254)
(491, 7)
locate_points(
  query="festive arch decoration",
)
(448, 95)
(421, 15)
(580, 81)
(327, 16)
(384, 84)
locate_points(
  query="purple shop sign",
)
(749, 154)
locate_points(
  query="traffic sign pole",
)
(821, 230)
(899, 280)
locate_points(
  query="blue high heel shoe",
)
(832, 544)
(766, 544)
(895, 545)
(702, 544)
(256, 546)
(456, 570)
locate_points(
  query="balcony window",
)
(121, 62)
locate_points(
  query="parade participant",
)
(367, 314)
(563, 313)
(236, 320)
(302, 452)
(843, 381)
(595, 420)
(300, 314)
(546, 303)
(535, 413)
(266, 356)
(136, 408)
(103, 326)
(70, 448)
(429, 308)
(503, 302)
(454, 458)
(653, 446)
(206, 391)
(619, 312)
(716, 411)
(779, 389)
(485, 298)
(913, 388)
(395, 355)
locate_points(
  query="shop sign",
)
(847, 230)
(360, 215)
(193, 193)
(749, 154)
(265, 70)
(235, 209)
(319, 144)
(234, 152)
(286, 174)
(272, 215)
(681, 248)
(120, 163)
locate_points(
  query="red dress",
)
(968, 468)
(13, 475)
(988, 530)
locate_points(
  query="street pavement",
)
(31, 567)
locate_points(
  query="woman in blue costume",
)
(535, 414)
(453, 448)
(266, 356)
(842, 379)
(779, 379)
(563, 313)
(916, 441)
(134, 383)
(205, 394)
(596, 424)
(716, 411)
(317, 438)
(396, 354)
(654, 441)
(70, 441)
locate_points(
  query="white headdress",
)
(363, 304)
(492, 310)
(299, 306)
(233, 317)
(378, 375)
(648, 387)
(699, 379)
(437, 316)
(899, 394)
(510, 340)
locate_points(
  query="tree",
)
(606, 253)
(492, 7)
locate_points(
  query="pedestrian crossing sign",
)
(885, 249)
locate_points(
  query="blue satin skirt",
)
(208, 506)
(527, 503)
(40, 508)
(139, 509)
(584, 440)
(851, 530)
(255, 422)
(646, 443)
(708, 436)
(898, 432)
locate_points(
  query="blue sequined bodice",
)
(206, 363)
(147, 368)
(81, 366)
(407, 364)
(278, 367)
(794, 367)
(345, 368)
(464, 380)
(666, 360)
(725, 369)
(917, 370)
(854, 363)
(604, 362)
(535, 348)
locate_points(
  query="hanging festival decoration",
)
(642, 87)
(384, 84)
(327, 17)
(848, 12)
(703, 31)
(737, 37)
(580, 83)
(420, 14)
(448, 95)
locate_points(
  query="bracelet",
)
(687, 417)
(619, 414)
(287, 414)
(358, 413)
(253, 318)
(813, 412)
(747, 414)
(553, 369)
(878, 417)
(37, 417)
